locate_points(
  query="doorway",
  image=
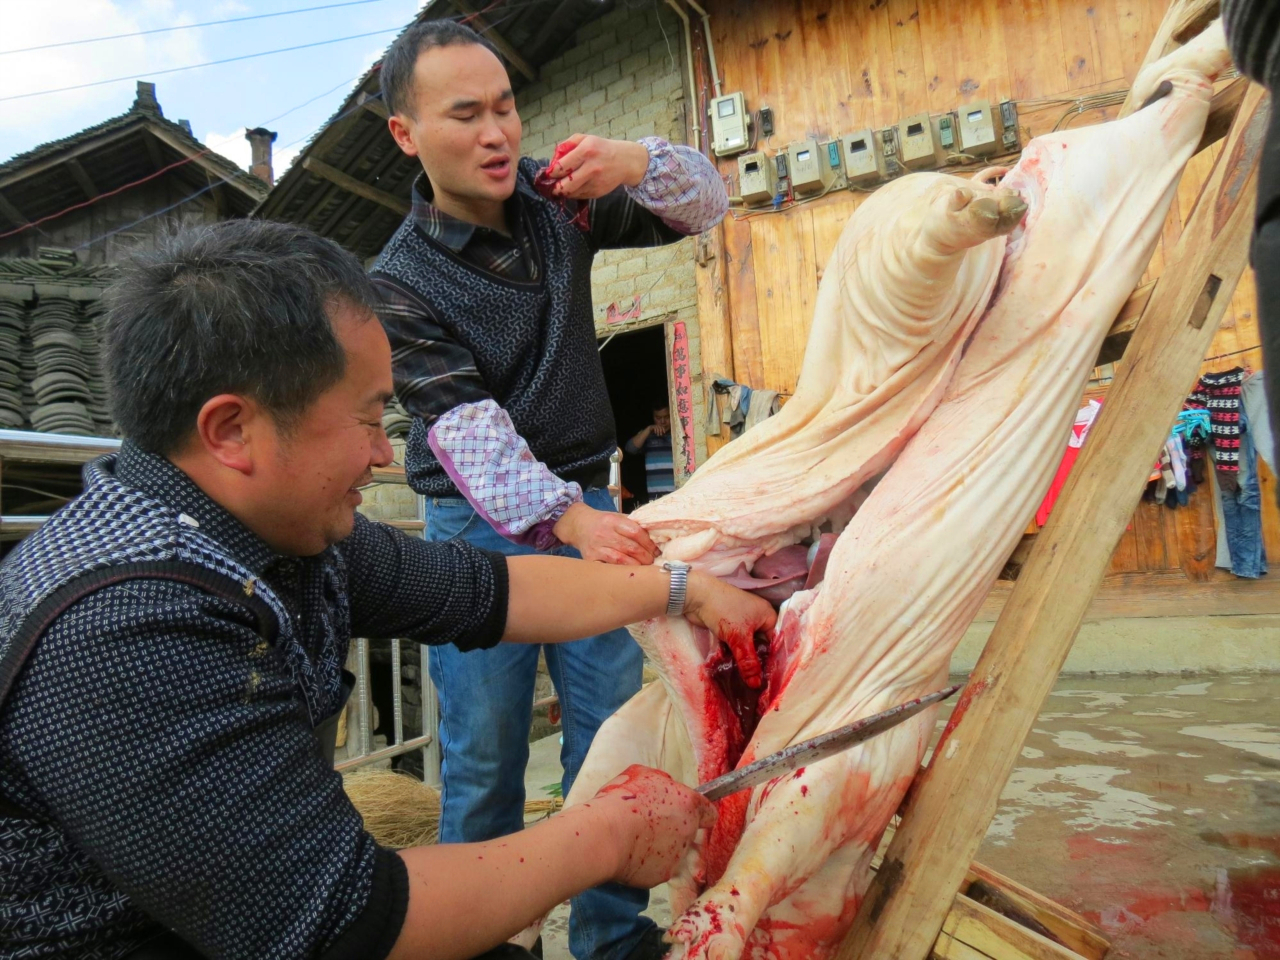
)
(635, 371)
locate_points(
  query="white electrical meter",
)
(863, 159)
(757, 181)
(977, 129)
(915, 142)
(810, 171)
(729, 133)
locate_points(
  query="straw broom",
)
(401, 811)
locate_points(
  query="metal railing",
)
(22, 445)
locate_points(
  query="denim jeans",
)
(1242, 512)
(486, 706)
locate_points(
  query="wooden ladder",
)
(926, 900)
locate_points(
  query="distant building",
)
(69, 211)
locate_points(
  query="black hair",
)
(238, 307)
(398, 63)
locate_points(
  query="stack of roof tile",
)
(12, 326)
(61, 384)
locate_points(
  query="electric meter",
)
(916, 144)
(729, 134)
(1009, 121)
(977, 131)
(757, 182)
(863, 160)
(810, 171)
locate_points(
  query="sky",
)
(220, 101)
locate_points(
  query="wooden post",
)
(956, 797)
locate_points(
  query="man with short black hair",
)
(653, 443)
(487, 289)
(172, 646)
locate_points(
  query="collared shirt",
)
(437, 379)
(166, 758)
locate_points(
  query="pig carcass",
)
(941, 378)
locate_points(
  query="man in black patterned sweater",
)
(172, 644)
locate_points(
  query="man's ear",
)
(226, 427)
(401, 134)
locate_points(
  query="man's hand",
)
(734, 616)
(655, 821)
(604, 536)
(659, 430)
(596, 166)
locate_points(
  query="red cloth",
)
(1079, 430)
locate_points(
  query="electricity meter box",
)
(945, 140)
(863, 160)
(916, 144)
(977, 129)
(757, 182)
(729, 133)
(1009, 122)
(810, 170)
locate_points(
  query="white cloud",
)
(36, 119)
(235, 147)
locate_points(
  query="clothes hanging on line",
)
(1253, 394)
(1079, 430)
(1219, 394)
(1238, 513)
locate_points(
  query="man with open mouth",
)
(487, 304)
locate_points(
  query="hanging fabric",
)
(1079, 430)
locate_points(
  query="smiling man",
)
(487, 290)
(172, 646)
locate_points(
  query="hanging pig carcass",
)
(955, 328)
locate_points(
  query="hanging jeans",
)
(1242, 513)
(486, 708)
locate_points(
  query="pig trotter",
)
(1162, 91)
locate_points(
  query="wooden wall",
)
(828, 67)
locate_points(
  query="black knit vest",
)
(534, 343)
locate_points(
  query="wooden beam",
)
(34, 169)
(153, 147)
(1194, 18)
(82, 179)
(481, 26)
(1171, 33)
(956, 797)
(374, 104)
(12, 213)
(358, 187)
(1126, 323)
(251, 187)
(1222, 110)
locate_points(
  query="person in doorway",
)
(487, 303)
(1253, 32)
(172, 644)
(654, 442)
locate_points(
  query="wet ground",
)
(1149, 804)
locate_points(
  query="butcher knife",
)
(818, 748)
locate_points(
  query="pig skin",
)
(968, 453)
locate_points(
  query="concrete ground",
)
(1149, 804)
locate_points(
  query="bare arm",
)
(554, 599)
(635, 443)
(465, 898)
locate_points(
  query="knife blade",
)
(818, 748)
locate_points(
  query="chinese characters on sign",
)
(684, 389)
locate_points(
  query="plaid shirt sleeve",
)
(433, 372)
(493, 467)
(681, 195)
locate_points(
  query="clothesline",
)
(1233, 353)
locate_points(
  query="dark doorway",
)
(635, 370)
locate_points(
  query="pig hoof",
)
(961, 197)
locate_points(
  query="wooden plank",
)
(910, 94)
(352, 185)
(480, 25)
(1036, 60)
(998, 937)
(251, 186)
(1073, 930)
(374, 104)
(748, 359)
(953, 802)
(96, 143)
(82, 179)
(788, 283)
(1197, 539)
(1194, 19)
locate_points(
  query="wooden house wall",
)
(829, 67)
(123, 213)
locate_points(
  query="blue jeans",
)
(1242, 512)
(486, 708)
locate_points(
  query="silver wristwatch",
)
(679, 589)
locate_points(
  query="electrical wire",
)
(186, 26)
(208, 63)
(1233, 353)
